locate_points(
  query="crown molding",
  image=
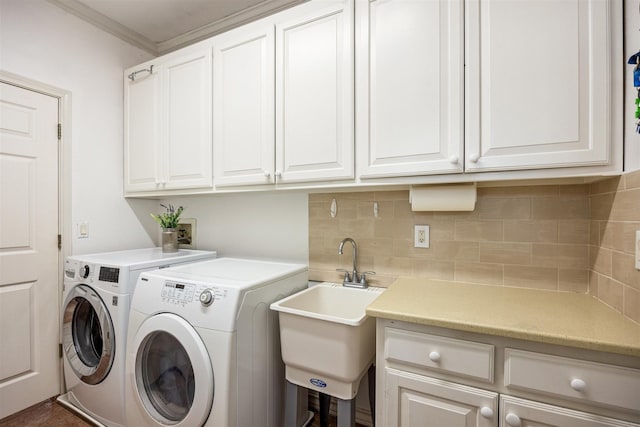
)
(265, 8)
(107, 24)
(82, 11)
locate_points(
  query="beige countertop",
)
(574, 320)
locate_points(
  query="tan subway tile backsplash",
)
(573, 238)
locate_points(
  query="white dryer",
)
(204, 347)
(95, 312)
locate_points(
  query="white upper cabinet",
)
(244, 105)
(168, 123)
(539, 85)
(409, 87)
(142, 129)
(314, 92)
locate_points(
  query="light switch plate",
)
(421, 236)
(83, 230)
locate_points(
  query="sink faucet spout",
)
(354, 273)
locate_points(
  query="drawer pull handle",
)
(434, 356)
(513, 420)
(578, 385)
(486, 412)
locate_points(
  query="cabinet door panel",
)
(526, 413)
(142, 131)
(538, 84)
(187, 90)
(415, 400)
(314, 91)
(244, 110)
(409, 87)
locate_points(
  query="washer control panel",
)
(185, 293)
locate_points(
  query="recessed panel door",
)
(314, 93)
(29, 301)
(244, 109)
(538, 84)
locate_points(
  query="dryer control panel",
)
(184, 293)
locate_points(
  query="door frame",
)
(64, 175)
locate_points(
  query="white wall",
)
(256, 225)
(41, 42)
(631, 46)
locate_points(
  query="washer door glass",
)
(87, 335)
(174, 378)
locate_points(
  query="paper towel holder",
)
(443, 197)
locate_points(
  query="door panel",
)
(142, 131)
(187, 156)
(416, 400)
(314, 90)
(29, 319)
(244, 110)
(566, 120)
(409, 87)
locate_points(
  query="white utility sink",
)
(327, 339)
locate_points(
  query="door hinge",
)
(59, 241)
(60, 350)
(59, 131)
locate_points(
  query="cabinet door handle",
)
(474, 158)
(513, 420)
(486, 412)
(453, 159)
(434, 356)
(578, 385)
(278, 174)
(267, 174)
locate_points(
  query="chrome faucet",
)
(353, 280)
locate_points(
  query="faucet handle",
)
(347, 278)
(363, 276)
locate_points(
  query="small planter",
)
(169, 240)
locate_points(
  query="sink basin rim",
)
(371, 293)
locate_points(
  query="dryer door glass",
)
(167, 375)
(173, 374)
(87, 335)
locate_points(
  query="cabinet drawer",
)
(521, 412)
(448, 355)
(575, 379)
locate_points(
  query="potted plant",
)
(169, 221)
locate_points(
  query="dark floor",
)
(45, 414)
(51, 414)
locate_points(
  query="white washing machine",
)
(95, 312)
(204, 348)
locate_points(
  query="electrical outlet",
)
(637, 249)
(421, 236)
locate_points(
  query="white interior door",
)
(29, 303)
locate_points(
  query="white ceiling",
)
(160, 26)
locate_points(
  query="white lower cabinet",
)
(515, 412)
(435, 377)
(415, 400)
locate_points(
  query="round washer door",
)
(87, 335)
(173, 373)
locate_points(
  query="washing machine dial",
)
(206, 297)
(84, 271)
